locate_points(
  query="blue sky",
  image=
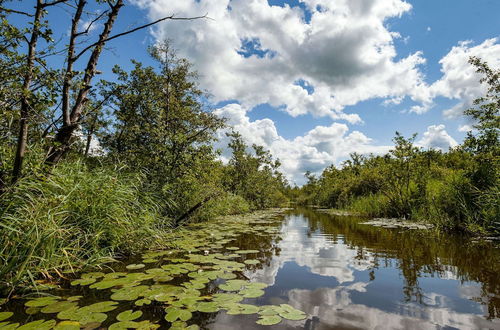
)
(313, 80)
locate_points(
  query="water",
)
(347, 275)
(352, 276)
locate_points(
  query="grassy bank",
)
(84, 216)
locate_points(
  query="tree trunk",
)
(63, 137)
(22, 139)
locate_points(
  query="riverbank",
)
(44, 269)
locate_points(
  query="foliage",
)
(256, 176)
(457, 189)
(76, 216)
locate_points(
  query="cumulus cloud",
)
(436, 137)
(460, 80)
(255, 53)
(316, 58)
(313, 151)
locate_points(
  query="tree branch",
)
(7, 10)
(172, 17)
(53, 3)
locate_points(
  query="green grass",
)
(75, 217)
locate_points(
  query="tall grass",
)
(75, 217)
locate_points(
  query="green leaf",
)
(135, 266)
(174, 314)
(5, 315)
(269, 320)
(38, 325)
(68, 325)
(129, 315)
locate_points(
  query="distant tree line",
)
(454, 189)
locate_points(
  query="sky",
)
(315, 80)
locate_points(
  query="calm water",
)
(352, 276)
(346, 275)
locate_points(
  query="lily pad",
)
(129, 315)
(38, 325)
(58, 307)
(135, 266)
(41, 302)
(101, 307)
(129, 294)
(174, 314)
(269, 320)
(68, 325)
(252, 293)
(5, 315)
(142, 302)
(124, 325)
(251, 262)
(207, 307)
(227, 276)
(247, 251)
(84, 281)
(8, 326)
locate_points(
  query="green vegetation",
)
(455, 190)
(94, 170)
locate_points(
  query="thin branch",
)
(53, 3)
(91, 23)
(7, 10)
(172, 17)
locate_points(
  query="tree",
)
(485, 143)
(160, 124)
(254, 176)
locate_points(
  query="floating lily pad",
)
(101, 307)
(5, 315)
(32, 310)
(84, 315)
(129, 315)
(41, 302)
(232, 248)
(227, 276)
(129, 294)
(142, 302)
(38, 325)
(74, 298)
(290, 313)
(8, 326)
(68, 325)
(247, 251)
(252, 293)
(135, 266)
(83, 281)
(207, 307)
(251, 262)
(269, 320)
(174, 314)
(144, 325)
(58, 307)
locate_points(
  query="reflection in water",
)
(347, 275)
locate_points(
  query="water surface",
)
(342, 273)
(347, 275)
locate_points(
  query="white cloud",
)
(465, 128)
(345, 52)
(436, 137)
(460, 80)
(315, 150)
